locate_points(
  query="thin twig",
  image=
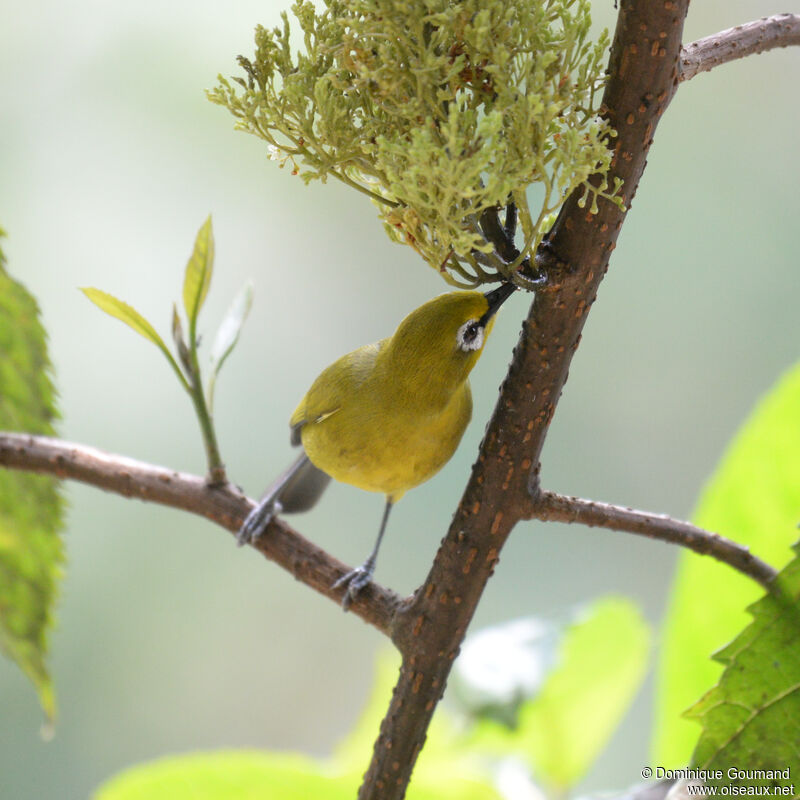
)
(225, 505)
(767, 33)
(560, 508)
(496, 233)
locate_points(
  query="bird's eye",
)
(470, 336)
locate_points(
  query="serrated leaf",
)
(199, 268)
(228, 335)
(751, 719)
(31, 552)
(603, 658)
(754, 499)
(132, 318)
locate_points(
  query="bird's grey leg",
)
(358, 578)
(270, 504)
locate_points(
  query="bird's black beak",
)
(495, 299)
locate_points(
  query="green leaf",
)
(122, 311)
(197, 278)
(562, 730)
(441, 774)
(455, 779)
(754, 499)
(31, 552)
(751, 719)
(257, 776)
(225, 776)
(228, 335)
(131, 317)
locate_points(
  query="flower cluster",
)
(438, 110)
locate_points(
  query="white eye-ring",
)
(470, 336)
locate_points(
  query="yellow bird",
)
(387, 416)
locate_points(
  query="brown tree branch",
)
(767, 33)
(224, 505)
(643, 77)
(227, 507)
(559, 508)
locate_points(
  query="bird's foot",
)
(257, 520)
(354, 581)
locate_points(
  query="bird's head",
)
(441, 341)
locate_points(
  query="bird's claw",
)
(256, 522)
(354, 581)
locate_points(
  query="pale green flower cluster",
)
(437, 110)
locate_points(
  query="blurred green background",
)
(171, 639)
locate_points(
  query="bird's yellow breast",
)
(387, 446)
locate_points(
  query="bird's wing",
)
(332, 388)
(302, 417)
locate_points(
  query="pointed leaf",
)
(198, 273)
(31, 552)
(753, 498)
(751, 719)
(131, 317)
(228, 335)
(122, 311)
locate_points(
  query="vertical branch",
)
(429, 629)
